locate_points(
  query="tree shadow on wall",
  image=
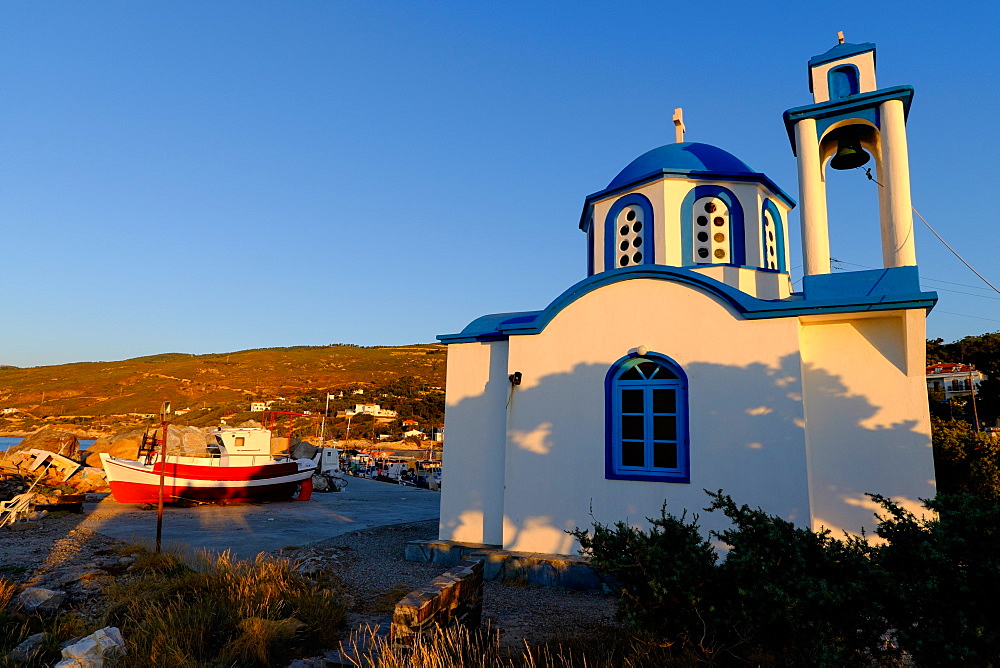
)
(747, 437)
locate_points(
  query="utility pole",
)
(972, 386)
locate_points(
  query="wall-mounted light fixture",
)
(515, 378)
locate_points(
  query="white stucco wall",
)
(746, 426)
(472, 473)
(803, 434)
(866, 409)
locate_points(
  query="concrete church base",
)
(545, 570)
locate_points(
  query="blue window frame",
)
(691, 227)
(647, 420)
(629, 232)
(773, 238)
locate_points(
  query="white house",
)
(374, 410)
(686, 361)
(952, 379)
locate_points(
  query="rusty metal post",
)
(164, 412)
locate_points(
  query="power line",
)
(868, 173)
(977, 317)
(954, 251)
(922, 277)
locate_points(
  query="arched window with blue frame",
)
(628, 237)
(647, 420)
(712, 227)
(843, 81)
(772, 241)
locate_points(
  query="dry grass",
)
(216, 610)
(7, 591)
(385, 601)
(141, 384)
(457, 648)
(17, 625)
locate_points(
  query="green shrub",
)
(965, 461)
(938, 579)
(782, 596)
(791, 596)
(664, 574)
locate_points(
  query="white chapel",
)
(686, 361)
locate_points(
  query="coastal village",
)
(685, 457)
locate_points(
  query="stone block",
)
(41, 600)
(452, 598)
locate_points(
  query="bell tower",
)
(850, 122)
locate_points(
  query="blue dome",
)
(688, 156)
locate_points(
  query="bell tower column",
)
(812, 194)
(898, 249)
(850, 121)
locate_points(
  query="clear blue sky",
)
(214, 176)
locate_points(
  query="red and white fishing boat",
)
(240, 467)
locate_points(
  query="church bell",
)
(849, 152)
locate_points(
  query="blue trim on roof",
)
(840, 52)
(746, 177)
(854, 106)
(849, 292)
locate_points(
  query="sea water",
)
(10, 441)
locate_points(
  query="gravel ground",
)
(58, 554)
(376, 575)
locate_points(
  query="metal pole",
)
(322, 426)
(164, 412)
(159, 503)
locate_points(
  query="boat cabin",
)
(245, 446)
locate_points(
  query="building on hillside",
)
(686, 360)
(258, 407)
(414, 433)
(952, 379)
(374, 410)
(410, 423)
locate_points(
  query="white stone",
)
(94, 650)
(41, 600)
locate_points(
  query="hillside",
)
(102, 394)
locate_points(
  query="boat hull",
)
(134, 482)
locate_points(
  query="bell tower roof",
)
(845, 70)
(842, 52)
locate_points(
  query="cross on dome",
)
(679, 127)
